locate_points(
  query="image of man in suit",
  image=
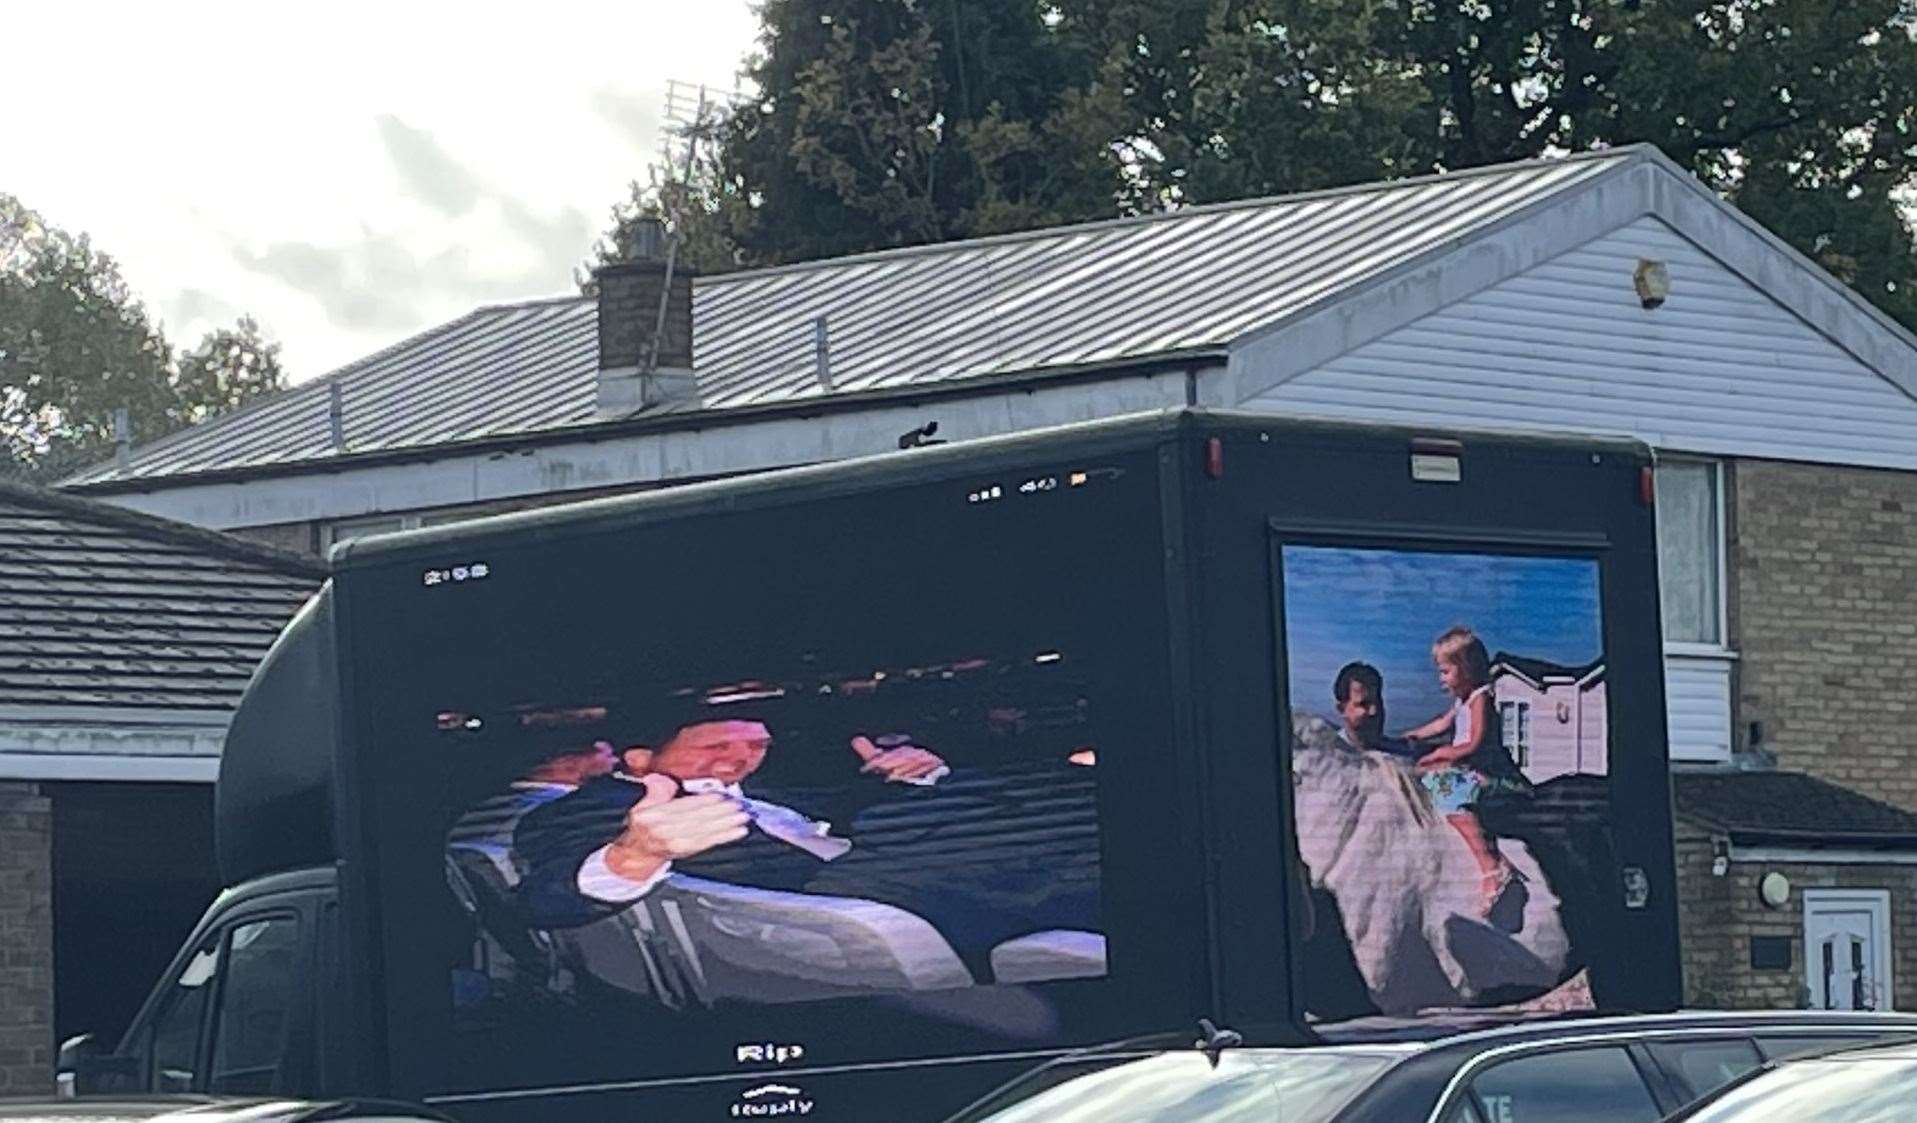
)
(902, 829)
(682, 805)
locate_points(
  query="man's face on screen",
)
(727, 751)
(1363, 712)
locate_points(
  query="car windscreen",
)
(1844, 1089)
(1268, 1086)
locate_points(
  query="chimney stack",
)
(645, 326)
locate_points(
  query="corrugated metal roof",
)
(103, 607)
(1069, 297)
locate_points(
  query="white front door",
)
(1847, 948)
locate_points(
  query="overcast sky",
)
(348, 173)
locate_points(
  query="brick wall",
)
(1825, 586)
(629, 313)
(1719, 915)
(26, 941)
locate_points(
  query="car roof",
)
(1488, 1031)
(1904, 1049)
(1438, 1062)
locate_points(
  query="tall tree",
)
(1802, 112)
(76, 345)
(875, 124)
(893, 122)
(1799, 111)
(229, 368)
(1293, 95)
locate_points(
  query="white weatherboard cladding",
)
(1721, 369)
(1697, 706)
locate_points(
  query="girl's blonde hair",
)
(1461, 646)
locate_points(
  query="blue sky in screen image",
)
(1385, 607)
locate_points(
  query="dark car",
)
(210, 1109)
(1867, 1084)
(1633, 1069)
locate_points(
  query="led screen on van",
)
(1450, 761)
(816, 832)
(835, 775)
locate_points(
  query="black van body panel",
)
(300, 784)
(273, 805)
(306, 893)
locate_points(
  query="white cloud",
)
(427, 171)
(632, 119)
(347, 176)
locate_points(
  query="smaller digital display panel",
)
(1450, 763)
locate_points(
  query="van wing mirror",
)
(83, 1067)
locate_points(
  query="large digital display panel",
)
(816, 832)
(827, 781)
(1450, 791)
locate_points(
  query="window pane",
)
(176, 1033)
(1572, 1086)
(1705, 1066)
(251, 1034)
(1687, 546)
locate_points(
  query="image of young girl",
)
(1474, 764)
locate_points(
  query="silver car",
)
(1633, 1069)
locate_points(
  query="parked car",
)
(1861, 1084)
(1632, 1069)
(211, 1109)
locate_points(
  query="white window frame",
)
(1514, 720)
(1700, 663)
(1874, 901)
(1722, 649)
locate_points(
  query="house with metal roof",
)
(125, 642)
(1607, 293)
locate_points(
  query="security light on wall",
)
(1652, 281)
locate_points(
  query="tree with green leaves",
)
(76, 346)
(229, 368)
(690, 200)
(1799, 111)
(896, 122)
(878, 123)
(881, 123)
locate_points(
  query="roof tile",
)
(104, 607)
